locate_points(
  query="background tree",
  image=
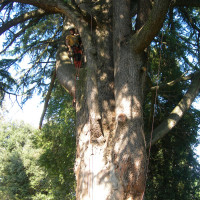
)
(173, 168)
(111, 144)
(6, 80)
(39, 164)
(57, 139)
(20, 174)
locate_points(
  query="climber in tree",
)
(73, 43)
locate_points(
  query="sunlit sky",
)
(29, 113)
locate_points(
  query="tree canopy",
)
(20, 174)
(140, 77)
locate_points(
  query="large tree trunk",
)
(111, 157)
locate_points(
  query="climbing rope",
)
(155, 103)
(77, 56)
(92, 153)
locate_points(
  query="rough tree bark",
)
(111, 147)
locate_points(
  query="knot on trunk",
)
(122, 118)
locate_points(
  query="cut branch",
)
(22, 18)
(65, 75)
(170, 122)
(65, 71)
(152, 26)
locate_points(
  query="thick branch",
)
(170, 122)
(152, 26)
(57, 6)
(65, 71)
(144, 10)
(187, 3)
(76, 17)
(47, 5)
(65, 76)
(20, 19)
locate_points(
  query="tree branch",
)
(47, 5)
(187, 3)
(170, 122)
(3, 4)
(171, 83)
(65, 71)
(79, 19)
(56, 7)
(190, 20)
(20, 33)
(5, 91)
(53, 78)
(20, 19)
(142, 38)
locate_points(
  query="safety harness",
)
(77, 55)
(76, 60)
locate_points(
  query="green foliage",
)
(39, 164)
(7, 82)
(57, 139)
(38, 37)
(174, 172)
(21, 177)
(15, 181)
